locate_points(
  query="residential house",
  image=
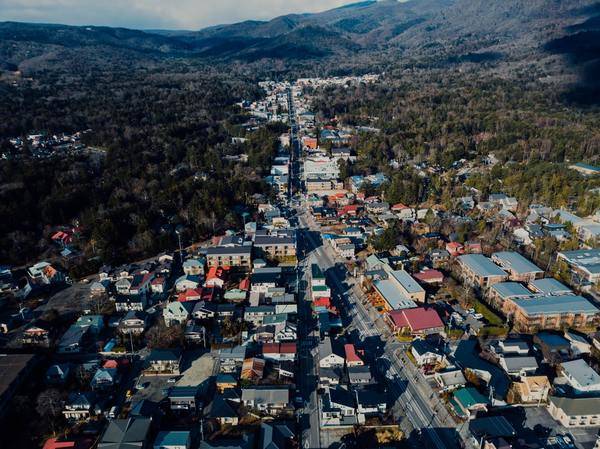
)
(268, 399)
(584, 262)
(425, 353)
(532, 389)
(518, 366)
(276, 436)
(188, 282)
(581, 376)
(450, 379)
(58, 374)
(72, 340)
(177, 313)
(163, 362)
(359, 375)
(575, 412)
(174, 439)
(467, 402)
(231, 358)
(225, 381)
(429, 277)
(104, 378)
(79, 406)
(193, 267)
(203, 310)
(370, 402)
(257, 314)
(327, 357)
(253, 369)
(329, 377)
(281, 248)
(223, 410)
(133, 323)
(337, 407)
(184, 398)
(279, 351)
(352, 358)
(125, 434)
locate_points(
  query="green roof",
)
(469, 396)
(316, 272)
(320, 288)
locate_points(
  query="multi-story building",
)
(276, 247)
(575, 412)
(518, 267)
(479, 271)
(219, 256)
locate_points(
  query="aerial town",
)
(306, 328)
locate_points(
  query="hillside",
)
(520, 33)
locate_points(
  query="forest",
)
(164, 135)
(441, 117)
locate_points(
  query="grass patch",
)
(490, 316)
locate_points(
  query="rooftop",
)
(515, 262)
(481, 265)
(549, 286)
(548, 305)
(407, 281)
(390, 292)
(581, 372)
(511, 290)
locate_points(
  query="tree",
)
(49, 406)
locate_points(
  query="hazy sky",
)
(165, 14)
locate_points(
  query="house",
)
(257, 314)
(268, 399)
(416, 321)
(140, 284)
(184, 398)
(581, 376)
(275, 436)
(327, 357)
(163, 362)
(253, 369)
(58, 374)
(279, 351)
(35, 336)
(104, 378)
(190, 295)
(337, 407)
(575, 412)
(359, 375)
(125, 434)
(177, 313)
(239, 257)
(203, 310)
(455, 248)
(518, 366)
(518, 267)
(450, 379)
(231, 358)
(480, 271)
(79, 406)
(429, 277)
(225, 381)
(468, 401)
(223, 410)
(125, 303)
(264, 279)
(329, 377)
(532, 389)
(188, 282)
(100, 287)
(216, 277)
(158, 285)
(370, 402)
(72, 340)
(425, 353)
(352, 358)
(133, 323)
(179, 439)
(193, 267)
(246, 441)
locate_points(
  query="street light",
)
(178, 231)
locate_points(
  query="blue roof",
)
(547, 305)
(481, 265)
(172, 438)
(515, 262)
(389, 291)
(407, 281)
(511, 290)
(589, 259)
(550, 286)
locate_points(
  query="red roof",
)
(245, 284)
(322, 302)
(189, 295)
(350, 208)
(429, 276)
(110, 364)
(279, 348)
(417, 319)
(351, 355)
(399, 206)
(52, 443)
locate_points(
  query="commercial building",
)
(417, 321)
(575, 412)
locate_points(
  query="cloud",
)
(165, 14)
